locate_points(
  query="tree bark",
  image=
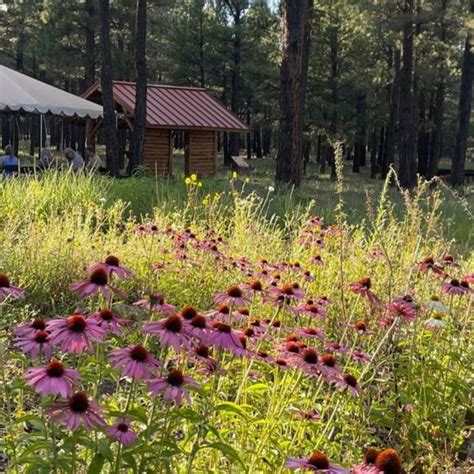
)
(293, 72)
(373, 154)
(423, 138)
(139, 116)
(107, 90)
(89, 77)
(360, 138)
(407, 163)
(464, 111)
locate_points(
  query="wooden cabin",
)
(172, 109)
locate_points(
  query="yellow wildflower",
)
(187, 180)
(194, 177)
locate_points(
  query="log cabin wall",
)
(201, 153)
(157, 151)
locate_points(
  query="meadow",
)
(223, 326)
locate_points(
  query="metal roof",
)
(19, 92)
(177, 107)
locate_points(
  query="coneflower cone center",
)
(4, 281)
(99, 277)
(319, 460)
(76, 323)
(79, 403)
(173, 324)
(139, 354)
(175, 378)
(112, 260)
(55, 369)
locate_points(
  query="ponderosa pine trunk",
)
(89, 54)
(139, 116)
(423, 144)
(373, 154)
(295, 25)
(360, 137)
(436, 138)
(389, 139)
(407, 128)
(110, 131)
(464, 111)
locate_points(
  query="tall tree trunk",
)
(360, 138)
(423, 137)
(373, 154)
(107, 90)
(389, 139)
(407, 164)
(89, 77)
(234, 138)
(295, 23)
(201, 43)
(334, 86)
(436, 139)
(464, 110)
(139, 116)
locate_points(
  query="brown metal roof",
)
(177, 107)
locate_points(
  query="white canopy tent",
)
(20, 93)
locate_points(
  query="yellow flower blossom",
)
(234, 174)
(199, 184)
(187, 180)
(194, 177)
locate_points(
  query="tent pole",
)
(41, 135)
(61, 146)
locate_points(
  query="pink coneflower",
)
(241, 314)
(310, 333)
(429, 264)
(254, 287)
(313, 310)
(322, 300)
(336, 347)
(76, 410)
(404, 311)
(198, 328)
(360, 327)
(309, 362)
(122, 432)
(469, 278)
(110, 321)
(311, 415)
(224, 337)
(360, 356)
(6, 289)
(388, 462)
(170, 331)
(307, 276)
(30, 328)
(234, 296)
(54, 379)
(156, 303)
(363, 288)
(317, 260)
(328, 366)
(318, 462)
(221, 313)
(455, 287)
(75, 333)
(135, 361)
(202, 354)
(34, 344)
(377, 253)
(98, 282)
(435, 323)
(290, 292)
(368, 466)
(348, 382)
(112, 265)
(448, 260)
(173, 387)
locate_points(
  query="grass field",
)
(380, 357)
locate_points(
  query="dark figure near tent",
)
(9, 162)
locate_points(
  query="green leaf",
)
(227, 450)
(96, 465)
(232, 408)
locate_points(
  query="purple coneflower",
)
(318, 462)
(469, 278)
(77, 409)
(198, 328)
(361, 356)
(224, 337)
(109, 320)
(348, 382)
(388, 462)
(328, 366)
(317, 260)
(456, 287)
(234, 296)
(428, 263)
(402, 310)
(28, 329)
(75, 333)
(336, 347)
(309, 362)
(202, 354)
(241, 314)
(156, 303)
(122, 432)
(112, 265)
(54, 379)
(360, 327)
(98, 282)
(221, 313)
(34, 344)
(368, 466)
(173, 386)
(311, 415)
(310, 333)
(449, 261)
(289, 292)
(135, 361)
(363, 288)
(170, 331)
(6, 289)
(254, 287)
